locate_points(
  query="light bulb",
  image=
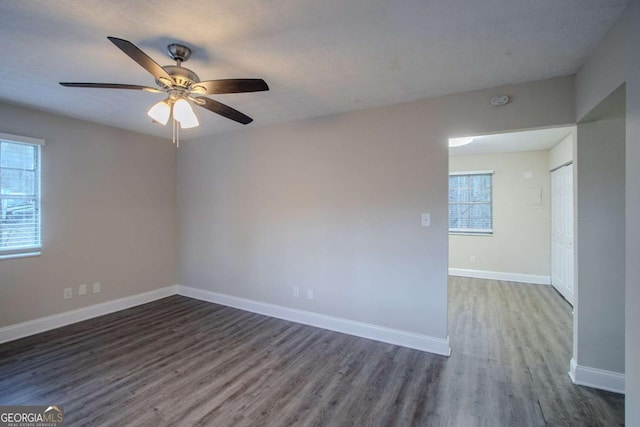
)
(458, 142)
(160, 112)
(183, 113)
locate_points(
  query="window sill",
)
(20, 255)
(460, 233)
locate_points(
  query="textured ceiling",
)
(508, 142)
(318, 56)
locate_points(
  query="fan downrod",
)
(179, 52)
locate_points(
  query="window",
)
(470, 195)
(19, 196)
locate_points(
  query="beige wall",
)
(334, 204)
(604, 70)
(521, 230)
(108, 216)
(616, 61)
(632, 203)
(562, 153)
(600, 241)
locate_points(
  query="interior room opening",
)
(511, 246)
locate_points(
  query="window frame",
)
(32, 250)
(472, 231)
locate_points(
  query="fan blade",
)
(111, 86)
(143, 59)
(212, 87)
(222, 109)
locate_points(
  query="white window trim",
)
(471, 173)
(20, 254)
(21, 139)
(472, 231)
(35, 250)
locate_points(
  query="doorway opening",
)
(511, 207)
(510, 246)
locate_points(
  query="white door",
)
(562, 231)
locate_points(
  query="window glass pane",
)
(453, 216)
(465, 220)
(18, 156)
(17, 182)
(463, 185)
(19, 198)
(481, 216)
(480, 188)
(470, 202)
(19, 226)
(453, 191)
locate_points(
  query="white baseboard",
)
(499, 275)
(597, 378)
(43, 324)
(351, 327)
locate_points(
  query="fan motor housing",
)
(183, 77)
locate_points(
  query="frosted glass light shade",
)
(160, 112)
(183, 113)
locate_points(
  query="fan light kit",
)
(182, 86)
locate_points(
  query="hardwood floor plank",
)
(184, 362)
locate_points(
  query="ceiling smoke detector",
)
(498, 101)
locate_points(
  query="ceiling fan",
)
(181, 85)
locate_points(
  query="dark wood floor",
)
(180, 361)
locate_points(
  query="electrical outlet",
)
(96, 288)
(296, 292)
(68, 293)
(309, 293)
(82, 289)
(472, 258)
